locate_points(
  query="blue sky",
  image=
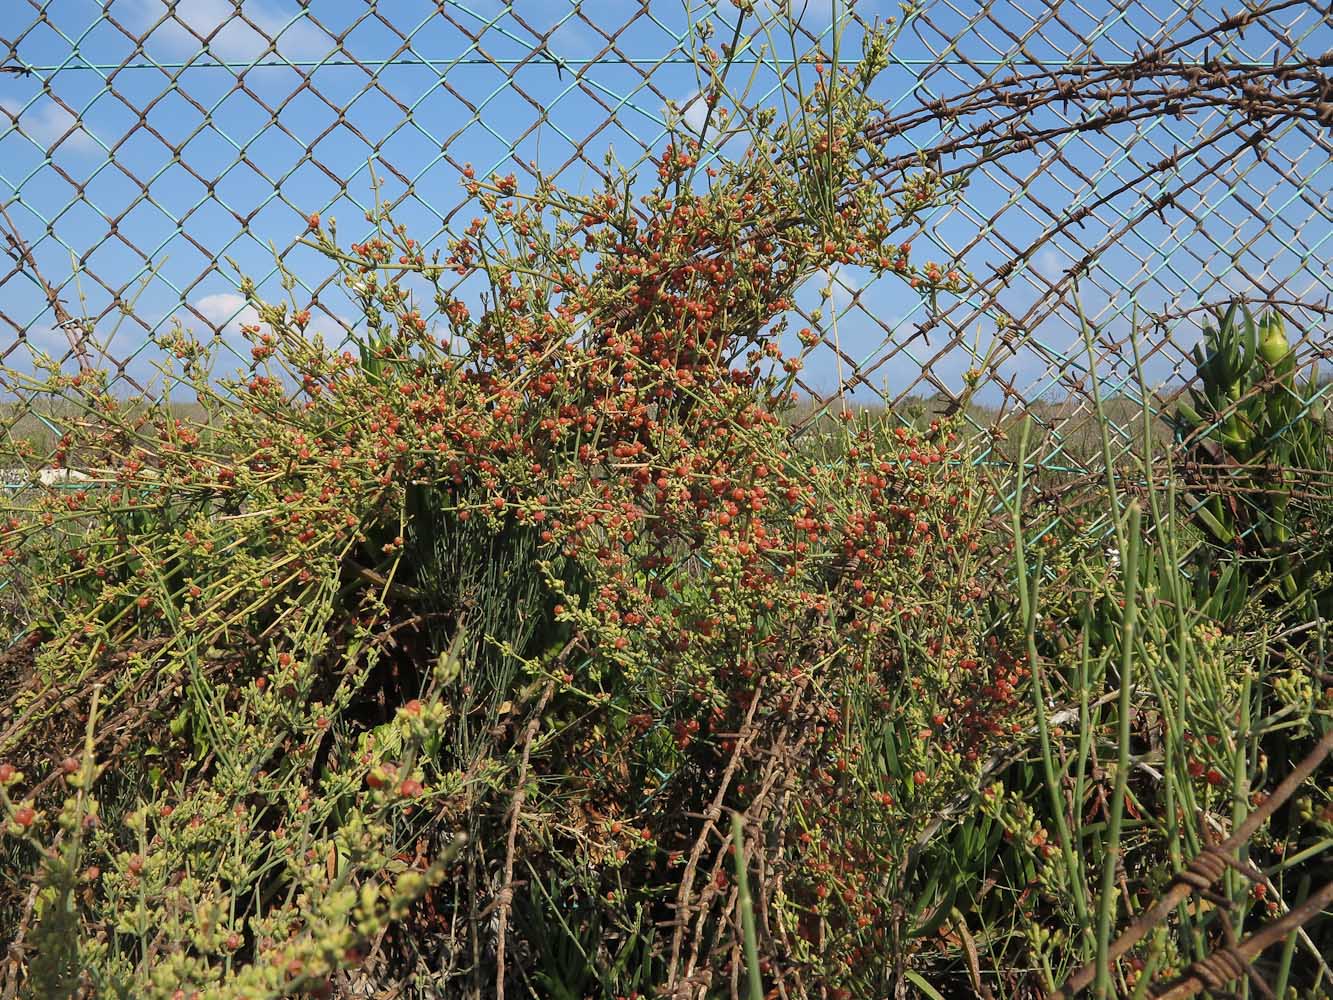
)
(125, 116)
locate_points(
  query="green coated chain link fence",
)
(1132, 163)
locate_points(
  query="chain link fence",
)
(1101, 174)
(1128, 163)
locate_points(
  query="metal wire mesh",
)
(1116, 163)
(144, 144)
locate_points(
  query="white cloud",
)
(48, 339)
(228, 312)
(1049, 265)
(694, 112)
(240, 35)
(47, 123)
(52, 341)
(841, 292)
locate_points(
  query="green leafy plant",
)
(1261, 429)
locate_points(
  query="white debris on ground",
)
(46, 477)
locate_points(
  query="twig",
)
(505, 899)
(714, 813)
(21, 252)
(14, 956)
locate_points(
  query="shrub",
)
(559, 584)
(1260, 430)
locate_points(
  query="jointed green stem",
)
(1112, 855)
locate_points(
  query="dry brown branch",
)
(505, 898)
(75, 331)
(781, 764)
(701, 842)
(13, 962)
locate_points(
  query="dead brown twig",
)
(75, 330)
(714, 813)
(783, 760)
(505, 899)
(13, 960)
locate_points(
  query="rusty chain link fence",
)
(1130, 163)
(1101, 174)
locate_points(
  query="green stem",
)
(1289, 946)
(746, 906)
(1102, 988)
(1027, 596)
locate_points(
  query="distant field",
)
(35, 427)
(1066, 432)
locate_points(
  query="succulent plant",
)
(1264, 429)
